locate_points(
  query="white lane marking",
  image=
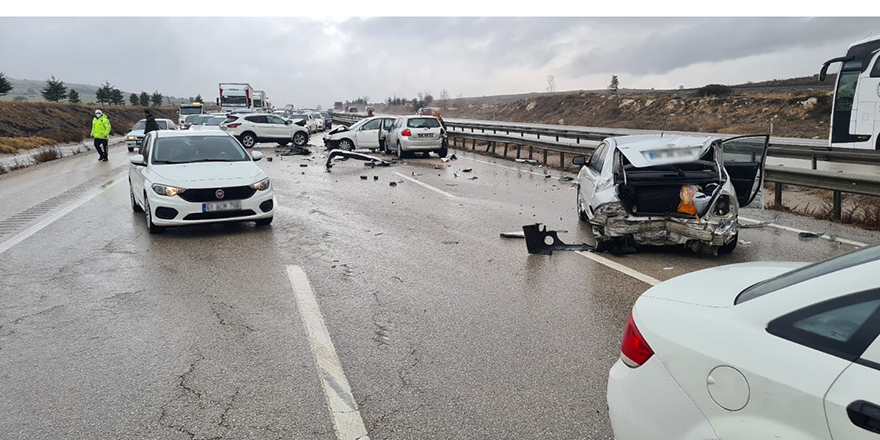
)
(417, 182)
(347, 419)
(23, 235)
(621, 268)
(796, 230)
(509, 168)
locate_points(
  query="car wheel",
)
(248, 140)
(265, 221)
(134, 205)
(729, 247)
(148, 213)
(130, 149)
(400, 153)
(300, 139)
(346, 145)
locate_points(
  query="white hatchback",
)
(184, 178)
(754, 351)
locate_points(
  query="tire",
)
(248, 140)
(265, 221)
(345, 144)
(134, 205)
(300, 139)
(400, 153)
(729, 247)
(130, 149)
(151, 228)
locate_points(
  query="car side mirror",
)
(138, 160)
(579, 160)
(256, 156)
(288, 122)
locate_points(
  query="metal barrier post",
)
(562, 160)
(531, 149)
(813, 161)
(505, 150)
(837, 205)
(777, 197)
(545, 157)
(518, 147)
(474, 144)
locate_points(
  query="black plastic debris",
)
(449, 242)
(810, 234)
(371, 160)
(392, 183)
(303, 165)
(541, 241)
(453, 157)
(296, 151)
(375, 177)
(513, 235)
(566, 178)
(269, 159)
(363, 177)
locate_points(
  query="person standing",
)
(101, 133)
(151, 125)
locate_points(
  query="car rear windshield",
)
(809, 272)
(190, 149)
(423, 123)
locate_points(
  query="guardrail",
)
(512, 135)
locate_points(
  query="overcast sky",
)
(308, 62)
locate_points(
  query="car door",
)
(137, 172)
(387, 124)
(852, 405)
(368, 134)
(280, 129)
(589, 174)
(744, 158)
(260, 126)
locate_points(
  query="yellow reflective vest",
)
(101, 127)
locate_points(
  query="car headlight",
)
(165, 190)
(132, 138)
(261, 185)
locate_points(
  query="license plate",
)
(426, 135)
(137, 142)
(231, 205)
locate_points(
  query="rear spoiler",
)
(829, 62)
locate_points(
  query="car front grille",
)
(219, 215)
(210, 194)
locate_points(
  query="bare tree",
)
(444, 98)
(551, 83)
(459, 101)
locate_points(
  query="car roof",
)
(185, 133)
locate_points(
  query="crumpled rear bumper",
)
(662, 231)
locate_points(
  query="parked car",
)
(411, 134)
(211, 123)
(189, 120)
(251, 129)
(134, 137)
(754, 351)
(310, 123)
(328, 121)
(353, 109)
(669, 190)
(319, 121)
(183, 178)
(368, 133)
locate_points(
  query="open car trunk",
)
(656, 191)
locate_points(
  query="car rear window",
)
(230, 119)
(810, 272)
(423, 123)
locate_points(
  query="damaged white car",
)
(669, 190)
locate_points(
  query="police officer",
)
(101, 133)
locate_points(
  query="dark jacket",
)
(152, 125)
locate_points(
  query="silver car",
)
(411, 134)
(669, 190)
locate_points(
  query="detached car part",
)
(372, 160)
(541, 241)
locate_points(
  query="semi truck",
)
(185, 110)
(235, 96)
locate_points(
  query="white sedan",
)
(754, 351)
(184, 178)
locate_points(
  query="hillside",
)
(30, 91)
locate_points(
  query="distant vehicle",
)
(189, 120)
(411, 134)
(282, 114)
(134, 137)
(309, 120)
(353, 110)
(253, 128)
(368, 133)
(682, 190)
(319, 121)
(261, 102)
(328, 121)
(855, 120)
(210, 123)
(236, 96)
(185, 110)
(426, 111)
(338, 105)
(770, 350)
(184, 178)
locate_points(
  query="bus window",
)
(846, 91)
(875, 71)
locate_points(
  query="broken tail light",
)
(634, 349)
(406, 133)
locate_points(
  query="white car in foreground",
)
(185, 178)
(754, 351)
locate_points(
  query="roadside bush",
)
(10, 145)
(47, 155)
(713, 90)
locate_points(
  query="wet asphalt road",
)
(444, 329)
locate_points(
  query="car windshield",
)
(139, 126)
(306, 117)
(215, 121)
(190, 149)
(809, 272)
(234, 99)
(191, 118)
(201, 120)
(190, 110)
(423, 123)
(326, 115)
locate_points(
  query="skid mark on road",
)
(620, 268)
(347, 419)
(798, 231)
(425, 185)
(16, 239)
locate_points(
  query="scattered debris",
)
(669, 268)
(375, 178)
(513, 235)
(467, 170)
(810, 234)
(547, 176)
(296, 151)
(416, 175)
(363, 177)
(831, 237)
(526, 160)
(392, 183)
(566, 178)
(397, 278)
(371, 160)
(450, 242)
(743, 242)
(542, 241)
(303, 165)
(438, 167)
(269, 159)
(474, 178)
(757, 225)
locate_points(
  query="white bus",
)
(185, 110)
(234, 96)
(855, 114)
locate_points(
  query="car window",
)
(875, 71)
(597, 160)
(145, 145)
(373, 125)
(423, 123)
(163, 125)
(188, 149)
(257, 119)
(842, 327)
(275, 120)
(388, 123)
(230, 119)
(815, 270)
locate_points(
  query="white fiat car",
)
(754, 351)
(185, 178)
(669, 190)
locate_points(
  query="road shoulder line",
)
(798, 231)
(425, 185)
(620, 268)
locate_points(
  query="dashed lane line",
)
(24, 235)
(343, 408)
(798, 231)
(425, 185)
(620, 268)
